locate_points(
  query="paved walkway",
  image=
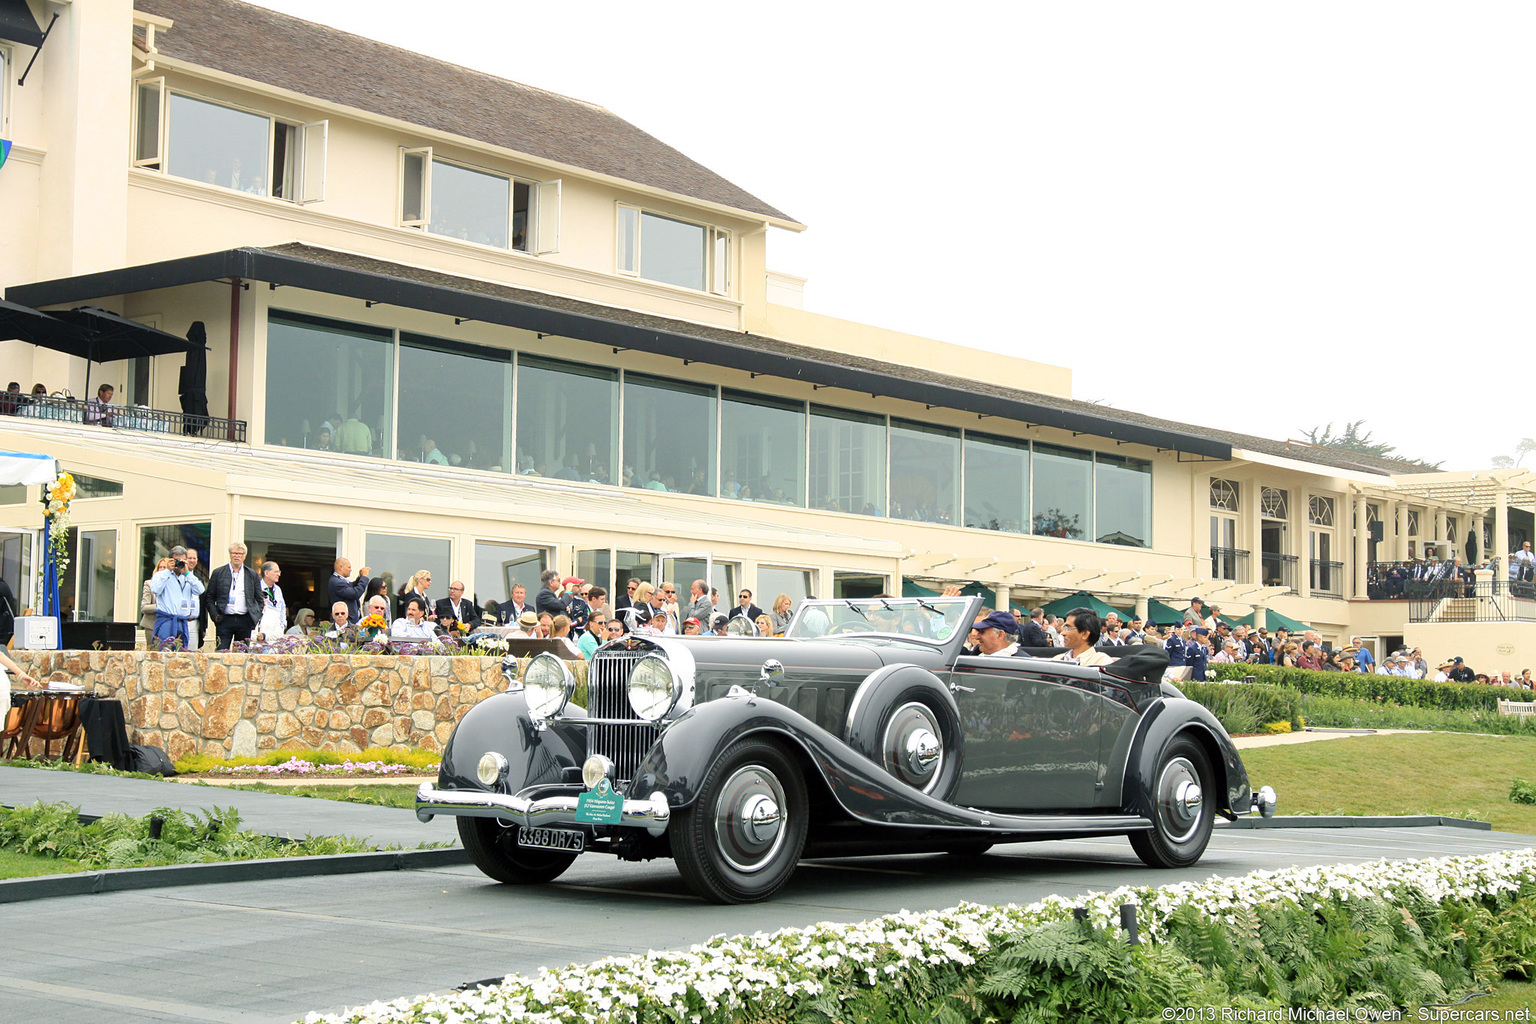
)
(1312, 736)
(289, 817)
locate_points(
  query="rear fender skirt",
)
(676, 767)
(501, 723)
(1159, 724)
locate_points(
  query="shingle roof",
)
(315, 60)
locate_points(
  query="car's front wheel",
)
(740, 840)
(1184, 808)
(493, 848)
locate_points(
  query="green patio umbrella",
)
(1163, 614)
(1083, 599)
(1273, 620)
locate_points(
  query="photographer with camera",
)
(177, 599)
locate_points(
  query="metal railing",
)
(1229, 564)
(1278, 570)
(1327, 578)
(1400, 581)
(121, 417)
(1476, 601)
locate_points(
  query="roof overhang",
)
(18, 25)
(1473, 490)
(602, 325)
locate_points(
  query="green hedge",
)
(1380, 689)
(1246, 709)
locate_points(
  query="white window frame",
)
(718, 276)
(7, 62)
(543, 228)
(309, 157)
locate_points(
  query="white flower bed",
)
(726, 973)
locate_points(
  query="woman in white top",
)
(415, 625)
(303, 622)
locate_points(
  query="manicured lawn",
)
(380, 793)
(1435, 773)
(22, 865)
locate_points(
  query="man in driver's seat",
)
(996, 635)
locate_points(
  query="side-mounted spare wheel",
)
(493, 848)
(1183, 807)
(905, 720)
(740, 839)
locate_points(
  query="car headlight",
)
(492, 769)
(547, 685)
(653, 688)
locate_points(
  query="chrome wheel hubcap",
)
(911, 748)
(749, 819)
(1180, 800)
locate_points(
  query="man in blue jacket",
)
(176, 592)
(347, 591)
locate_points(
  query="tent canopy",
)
(1083, 599)
(27, 468)
(1163, 614)
(1273, 620)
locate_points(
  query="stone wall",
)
(241, 704)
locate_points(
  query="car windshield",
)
(929, 619)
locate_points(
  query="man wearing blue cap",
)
(996, 635)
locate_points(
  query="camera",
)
(181, 565)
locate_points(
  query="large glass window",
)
(671, 251)
(669, 435)
(762, 448)
(16, 567)
(500, 567)
(87, 589)
(329, 385)
(850, 585)
(96, 487)
(1123, 501)
(567, 420)
(996, 483)
(395, 559)
(454, 404)
(925, 472)
(471, 205)
(1063, 492)
(847, 468)
(305, 553)
(155, 543)
(773, 580)
(218, 145)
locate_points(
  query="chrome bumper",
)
(651, 814)
(1264, 802)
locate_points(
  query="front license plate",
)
(551, 839)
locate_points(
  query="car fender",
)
(1160, 722)
(897, 684)
(501, 723)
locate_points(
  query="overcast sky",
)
(1257, 217)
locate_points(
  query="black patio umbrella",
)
(23, 323)
(98, 336)
(193, 383)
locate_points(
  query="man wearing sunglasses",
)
(744, 606)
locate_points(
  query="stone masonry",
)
(241, 704)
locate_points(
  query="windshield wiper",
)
(855, 607)
(925, 605)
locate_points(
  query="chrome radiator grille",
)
(608, 697)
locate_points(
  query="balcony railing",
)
(121, 417)
(1229, 564)
(1327, 578)
(1279, 570)
(1460, 601)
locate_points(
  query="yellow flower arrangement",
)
(373, 622)
(56, 498)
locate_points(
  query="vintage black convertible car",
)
(867, 729)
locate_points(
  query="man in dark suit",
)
(1032, 633)
(513, 610)
(349, 592)
(548, 598)
(744, 606)
(455, 607)
(233, 598)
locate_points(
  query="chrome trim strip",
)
(651, 814)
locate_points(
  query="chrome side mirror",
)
(772, 672)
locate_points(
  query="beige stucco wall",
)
(1485, 646)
